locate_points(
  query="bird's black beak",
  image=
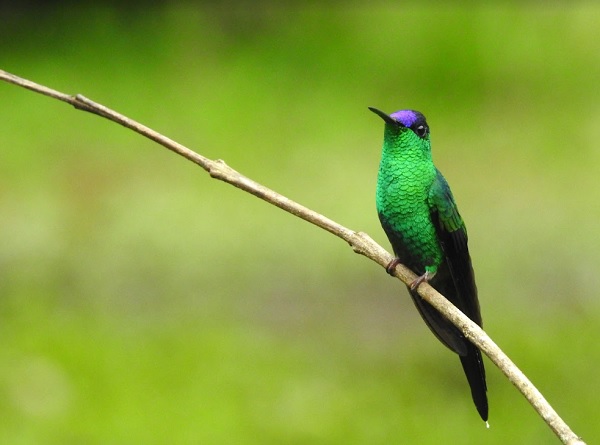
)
(386, 117)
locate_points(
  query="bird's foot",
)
(423, 278)
(391, 267)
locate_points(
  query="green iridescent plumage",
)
(419, 215)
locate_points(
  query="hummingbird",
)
(420, 218)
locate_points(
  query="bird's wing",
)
(452, 234)
(459, 288)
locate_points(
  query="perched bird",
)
(420, 218)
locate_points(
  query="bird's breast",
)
(402, 204)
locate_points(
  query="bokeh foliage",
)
(142, 302)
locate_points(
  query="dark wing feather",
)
(459, 287)
(452, 235)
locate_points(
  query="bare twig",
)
(360, 242)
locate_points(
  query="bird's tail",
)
(475, 372)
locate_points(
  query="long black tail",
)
(475, 372)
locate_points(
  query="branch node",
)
(219, 169)
(359, 242)
(81, 102)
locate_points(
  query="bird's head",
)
(408, 125)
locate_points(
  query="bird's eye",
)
(421, 131)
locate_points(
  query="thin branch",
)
(360, 242)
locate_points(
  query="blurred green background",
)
(142, 302)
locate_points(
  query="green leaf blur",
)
(142, 302)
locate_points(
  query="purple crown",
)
(405, 117)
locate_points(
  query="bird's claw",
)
(423, 278)
(391, 267)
